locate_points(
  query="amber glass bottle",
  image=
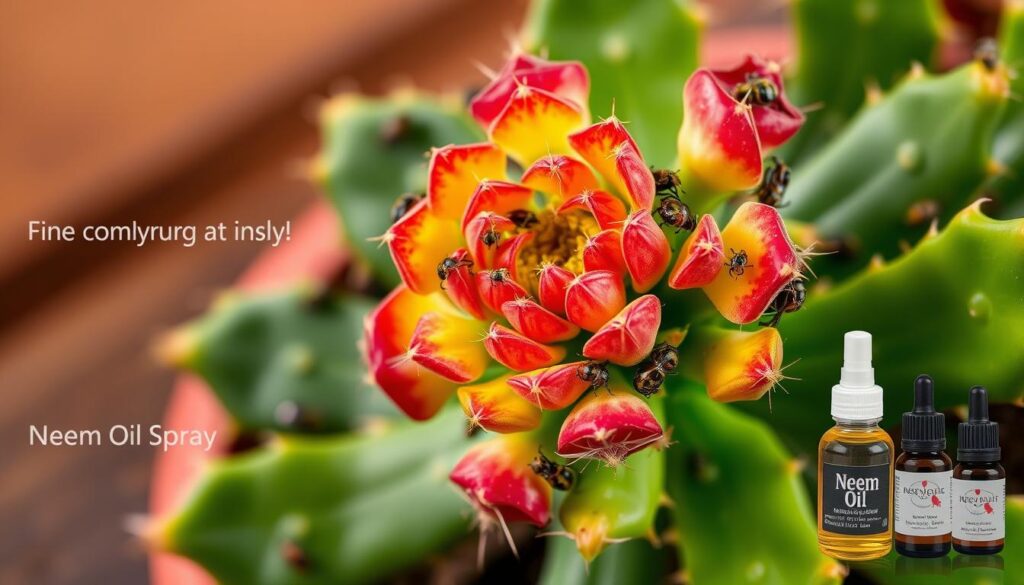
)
(855, 460)
(922, 518)
(979, 483)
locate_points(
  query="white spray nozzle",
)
(856, 396)
(857, 371)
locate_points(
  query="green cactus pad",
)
(928, 140)
(635, 561)
(741, 510)
(626, 496)
(953, 308)
(1009, 144)
(374, 150)
(285, 360)
(840, 56)
(639, 55)
(344, 510)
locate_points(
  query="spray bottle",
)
(855, 461)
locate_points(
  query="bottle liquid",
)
(855, 463)
(979, 483)
(922, 517)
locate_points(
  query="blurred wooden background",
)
(180, 113)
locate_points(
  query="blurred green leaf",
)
(374, 150)
(843, 46)
(639, 55)
(325, 511)
(287, 360)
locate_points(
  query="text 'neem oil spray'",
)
(855, 460)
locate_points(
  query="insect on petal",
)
(460, 285)
(742, 293)
(418, 242)
(496, 478)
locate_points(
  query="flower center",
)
(558, 238)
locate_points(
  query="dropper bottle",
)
(979, 482)
(921, 505)
(855, 459)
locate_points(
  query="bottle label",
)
(855, 500)
(979, 509)
(921, 505)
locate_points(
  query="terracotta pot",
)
(314, 253)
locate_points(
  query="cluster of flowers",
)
(501, 278)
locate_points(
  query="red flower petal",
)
(603, 251)
(536, 322)
(592, 298)
(455, 172)
(551, 287)
(606, 208)
(520, 353)
(534, 123)
(776, 122)
(508, 253)
(499, 197)
(609, 148)
(701, 258)
(480, 226)
(608, 427)
(448, 345)
(418, 242)
(637, 177)
(420, 393)
(743, 365)
(629, 337)
(496, 477)
(551, 388)
(718, 141)
(567, 79)
(649, 253)
(757, 231)
(559, 176)
(460, 285)
(496, 407)
(497, 288)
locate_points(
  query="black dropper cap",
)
(923, 428)
(978, 437)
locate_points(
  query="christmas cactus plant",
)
(603, 267)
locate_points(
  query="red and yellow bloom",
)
(505, 277)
